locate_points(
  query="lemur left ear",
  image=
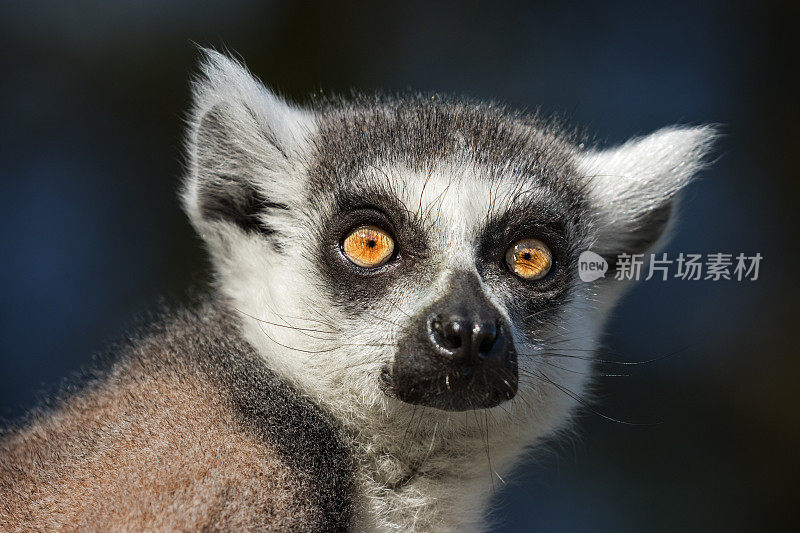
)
(243, 147)
(635, 186)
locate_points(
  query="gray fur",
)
(186, 351)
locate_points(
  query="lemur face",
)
(420, 251)
(455, 262)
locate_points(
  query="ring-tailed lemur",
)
(396, 317)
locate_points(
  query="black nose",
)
(465, 340)
(455, 354)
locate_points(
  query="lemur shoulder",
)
(394, 320)
(187, 430)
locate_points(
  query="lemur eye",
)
(368, 246)
(529, 259)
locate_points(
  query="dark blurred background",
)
(91, 105)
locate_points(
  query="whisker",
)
(570, 370)
(605, 361)
(585, 403)
(296, 328)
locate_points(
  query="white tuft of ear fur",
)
(226, 81)
(243, 146)
(634, 185)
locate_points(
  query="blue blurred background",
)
(91, 105)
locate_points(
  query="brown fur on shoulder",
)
(188, 431)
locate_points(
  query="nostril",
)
(449, 333)
(453, 333)
(484, 337)
(486, 344)
(453, 341)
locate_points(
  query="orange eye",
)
(529, 259)
(368, 246)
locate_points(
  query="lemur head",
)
(420, 251)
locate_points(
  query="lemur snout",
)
(457, 353)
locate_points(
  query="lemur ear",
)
(635, 186)
(243, 146)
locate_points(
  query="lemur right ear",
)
(243, 146)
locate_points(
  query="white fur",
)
(631, 180)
